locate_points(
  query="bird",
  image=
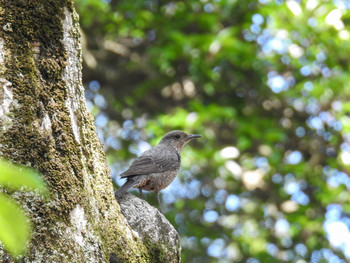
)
(157, 167)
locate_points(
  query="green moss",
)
(38, 23)
(157, 252)
(34, 65)
(38, 88)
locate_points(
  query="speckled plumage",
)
(157, 167)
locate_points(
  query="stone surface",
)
(152, 227)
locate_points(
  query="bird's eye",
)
(177, 136)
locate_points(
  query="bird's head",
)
(177, 139)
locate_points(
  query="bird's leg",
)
(141, 195)
(160, 204)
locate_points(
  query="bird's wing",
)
(155, 160)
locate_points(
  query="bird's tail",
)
(125, 187)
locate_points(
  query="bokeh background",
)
(266, 83)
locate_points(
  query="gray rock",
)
(156, 232)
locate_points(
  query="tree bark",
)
(45, 124)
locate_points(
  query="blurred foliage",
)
(15, 227)
(267, 85)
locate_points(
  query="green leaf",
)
(14, 226)
(16, 177)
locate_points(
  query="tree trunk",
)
(45, 124)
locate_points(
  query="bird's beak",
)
(193, 136)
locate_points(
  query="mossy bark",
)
(45, 124)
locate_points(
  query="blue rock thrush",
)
(157, 167)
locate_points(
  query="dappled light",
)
(266, 84)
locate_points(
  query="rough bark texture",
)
(160, 237)
(45, 124)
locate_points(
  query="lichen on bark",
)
(155, 231)
(45, 124)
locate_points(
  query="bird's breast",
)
(157, 181)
